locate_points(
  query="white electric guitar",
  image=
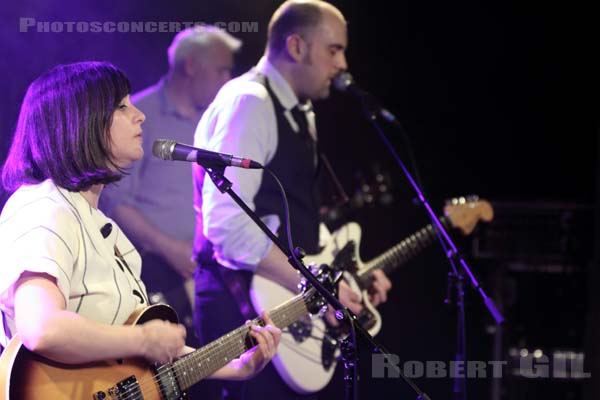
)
(307, 352)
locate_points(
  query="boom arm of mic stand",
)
(224, 185)
(451, 251)
(449, 248)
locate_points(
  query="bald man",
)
(265, 115)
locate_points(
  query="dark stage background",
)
(498, 98)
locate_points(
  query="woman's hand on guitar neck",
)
(254, 360)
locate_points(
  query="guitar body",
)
(299, 360)
(308, 350)
(347, 240)
(33, 377)
(28, 376)
(296, 361)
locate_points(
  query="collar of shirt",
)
(90, 219)
(286, 96)
(280, 86)
(167, 107)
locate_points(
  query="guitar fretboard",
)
(208, 359)
(400, 253)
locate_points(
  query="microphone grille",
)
(342, 81)
(163, 148)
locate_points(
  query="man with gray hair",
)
(153, 205)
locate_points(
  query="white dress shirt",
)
(242, 121)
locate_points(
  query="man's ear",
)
(296, 47)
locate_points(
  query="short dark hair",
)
(63, 128)
(293, 16)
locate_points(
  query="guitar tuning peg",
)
(463, 200)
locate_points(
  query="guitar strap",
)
(340, 197)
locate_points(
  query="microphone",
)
(167, 149)
(345, 83)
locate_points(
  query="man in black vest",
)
(266, 115)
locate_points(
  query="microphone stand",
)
(349, 344)
(456, 276)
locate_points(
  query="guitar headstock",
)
(465, 212)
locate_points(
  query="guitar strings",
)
(401, 252)
(289, 313)
(208, 352)
(226, 347)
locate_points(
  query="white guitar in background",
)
(306, 357)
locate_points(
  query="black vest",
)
(294, 164)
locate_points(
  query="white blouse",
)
(44, 228)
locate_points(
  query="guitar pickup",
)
(301, 329)
(128, 386)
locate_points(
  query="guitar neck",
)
(400, 253)
(208, 359)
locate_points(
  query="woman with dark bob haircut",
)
(63, 127)
(69, 277)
